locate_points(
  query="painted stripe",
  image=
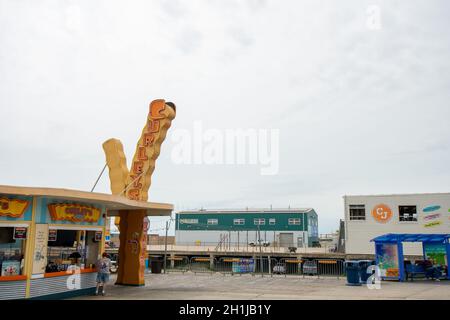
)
(431, 208)
(432, 216)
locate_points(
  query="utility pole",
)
(260, 250)
(165, 246)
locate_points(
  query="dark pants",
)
(434, 272)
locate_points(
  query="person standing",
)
(103, 266)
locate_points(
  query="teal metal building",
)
(277, 227)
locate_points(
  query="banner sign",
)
(244, 265)
(40, 249)
(13, 208)
(436, 252)
(387, 256)
(20, 233)
(73, 212)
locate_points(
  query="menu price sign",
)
(98, 235)
(20, 233)
(52, 234)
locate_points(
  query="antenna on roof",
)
(270, 207)
(289, 207)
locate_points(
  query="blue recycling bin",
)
(352, 270)
(363, 265)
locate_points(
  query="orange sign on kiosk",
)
(13, 208)
(73, 212)
(382, 213)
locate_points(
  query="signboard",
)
(52, 235)
(40, 249)
(382, 213)
(98, 236)
(13, 208)
(10, 268)
(73, 212)
(388, 260)
(432, 216)
(436, 252)
(244, 265)
(20, 233)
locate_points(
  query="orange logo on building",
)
(382, 213)
(73, 212)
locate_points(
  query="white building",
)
(369, 216)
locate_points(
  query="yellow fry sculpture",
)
(134, 184)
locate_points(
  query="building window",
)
(272, 221)
(239, 222)
(294, 221)
(12, 245)
(259, 221)
(357, 212)
(407, 213)
(189, 221)
(213, 221)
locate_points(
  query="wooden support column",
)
(133, 248)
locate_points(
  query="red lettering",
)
(142, 153)
(133, 194)
(149, 138)
(153, 126)
(136, 180)
(137, 167)
(156, 107)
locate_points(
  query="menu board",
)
(40, 249)
(20, 233)
(98, 236)
(52, 235)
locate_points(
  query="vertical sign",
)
(40, 249)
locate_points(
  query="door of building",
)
(286, 240)
(299, 242)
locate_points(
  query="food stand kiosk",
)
(50, 239)
(389, 252)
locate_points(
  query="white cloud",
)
(359, 111)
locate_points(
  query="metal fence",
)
(263, 266)
(177, 264)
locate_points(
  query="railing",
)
(263, 266)
(235, 248)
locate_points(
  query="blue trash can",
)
(352, 269)
(363, 265)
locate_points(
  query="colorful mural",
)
(388, 260)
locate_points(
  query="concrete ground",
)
(176, 286)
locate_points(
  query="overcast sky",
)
(360, 110)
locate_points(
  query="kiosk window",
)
(71, 247)
(12, 253)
